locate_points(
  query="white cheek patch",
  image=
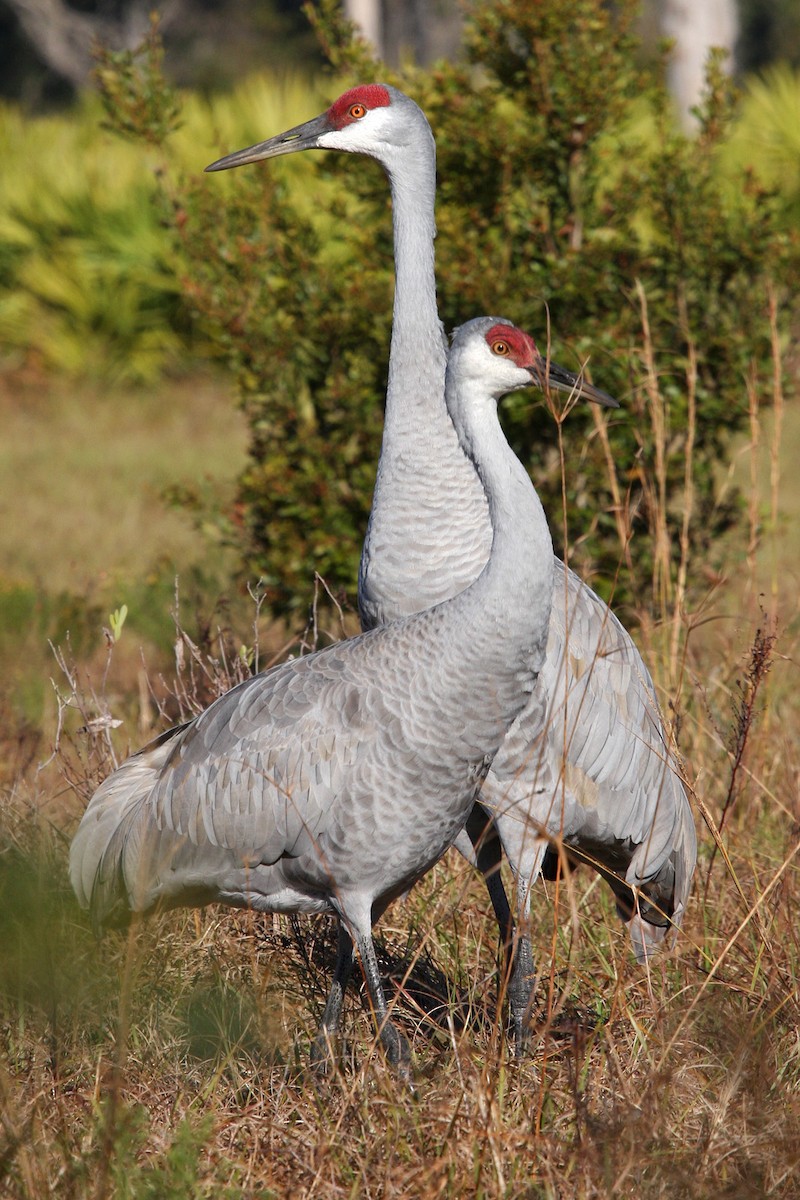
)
(367, 136)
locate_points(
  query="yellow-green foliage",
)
(90, 280)
(87, 281)
(766, 136)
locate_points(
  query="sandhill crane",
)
(331, 783)
(589, 764)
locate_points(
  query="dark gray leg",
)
(323, 1048)
(520, 985)
(488, 857)
(394, 1042)
(517, 953)
(527, 869)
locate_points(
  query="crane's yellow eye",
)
(357, 111)
(501, 348)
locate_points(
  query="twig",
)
(744, 714)
(775, 445)
(688, 492)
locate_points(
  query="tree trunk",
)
(368, 16)
(63, 37)
(696, 26)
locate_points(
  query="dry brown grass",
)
(171, 1062)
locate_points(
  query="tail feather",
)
(667, 895)
(106, 853)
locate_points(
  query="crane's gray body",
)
(589, 759)
(334, 781)
(345, 772)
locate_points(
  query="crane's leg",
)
(487, 855)
(356, 913)
(523, 975)
(533, 858)
(324, 1046)
(394, 1042)
(525, 861)
(518, 955)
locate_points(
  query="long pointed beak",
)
(302, 137)
(562, 380)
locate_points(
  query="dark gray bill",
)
(562, 380)
(302, 137)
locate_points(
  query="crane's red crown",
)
(522, 348)
(366, 95)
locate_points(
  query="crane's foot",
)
(398, 1053)
(325, 1056)
(521, 1035)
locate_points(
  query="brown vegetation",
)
(171, 1061)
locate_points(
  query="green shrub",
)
(566, 192)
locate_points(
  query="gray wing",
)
(590, 760)
(251, 780)
(257, 771)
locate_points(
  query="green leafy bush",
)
(567, 196)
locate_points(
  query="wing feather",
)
(234, 787)
(589, 760)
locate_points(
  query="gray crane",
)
(333, 782)
(588, 766)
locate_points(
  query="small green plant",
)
(133, 90)
(116, 621)
(115, 1167)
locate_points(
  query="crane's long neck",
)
(517, 580)
(418, 355)
(493, 635)
(429, 534)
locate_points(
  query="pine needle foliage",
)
(88, 285)
(618, 240)
(135, 93)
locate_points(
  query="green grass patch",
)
(86, 524)
(92, 467)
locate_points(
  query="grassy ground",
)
(93, 465)
(172, 1062)
(85, 526)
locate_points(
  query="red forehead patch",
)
(370, 95)
(523, 348)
